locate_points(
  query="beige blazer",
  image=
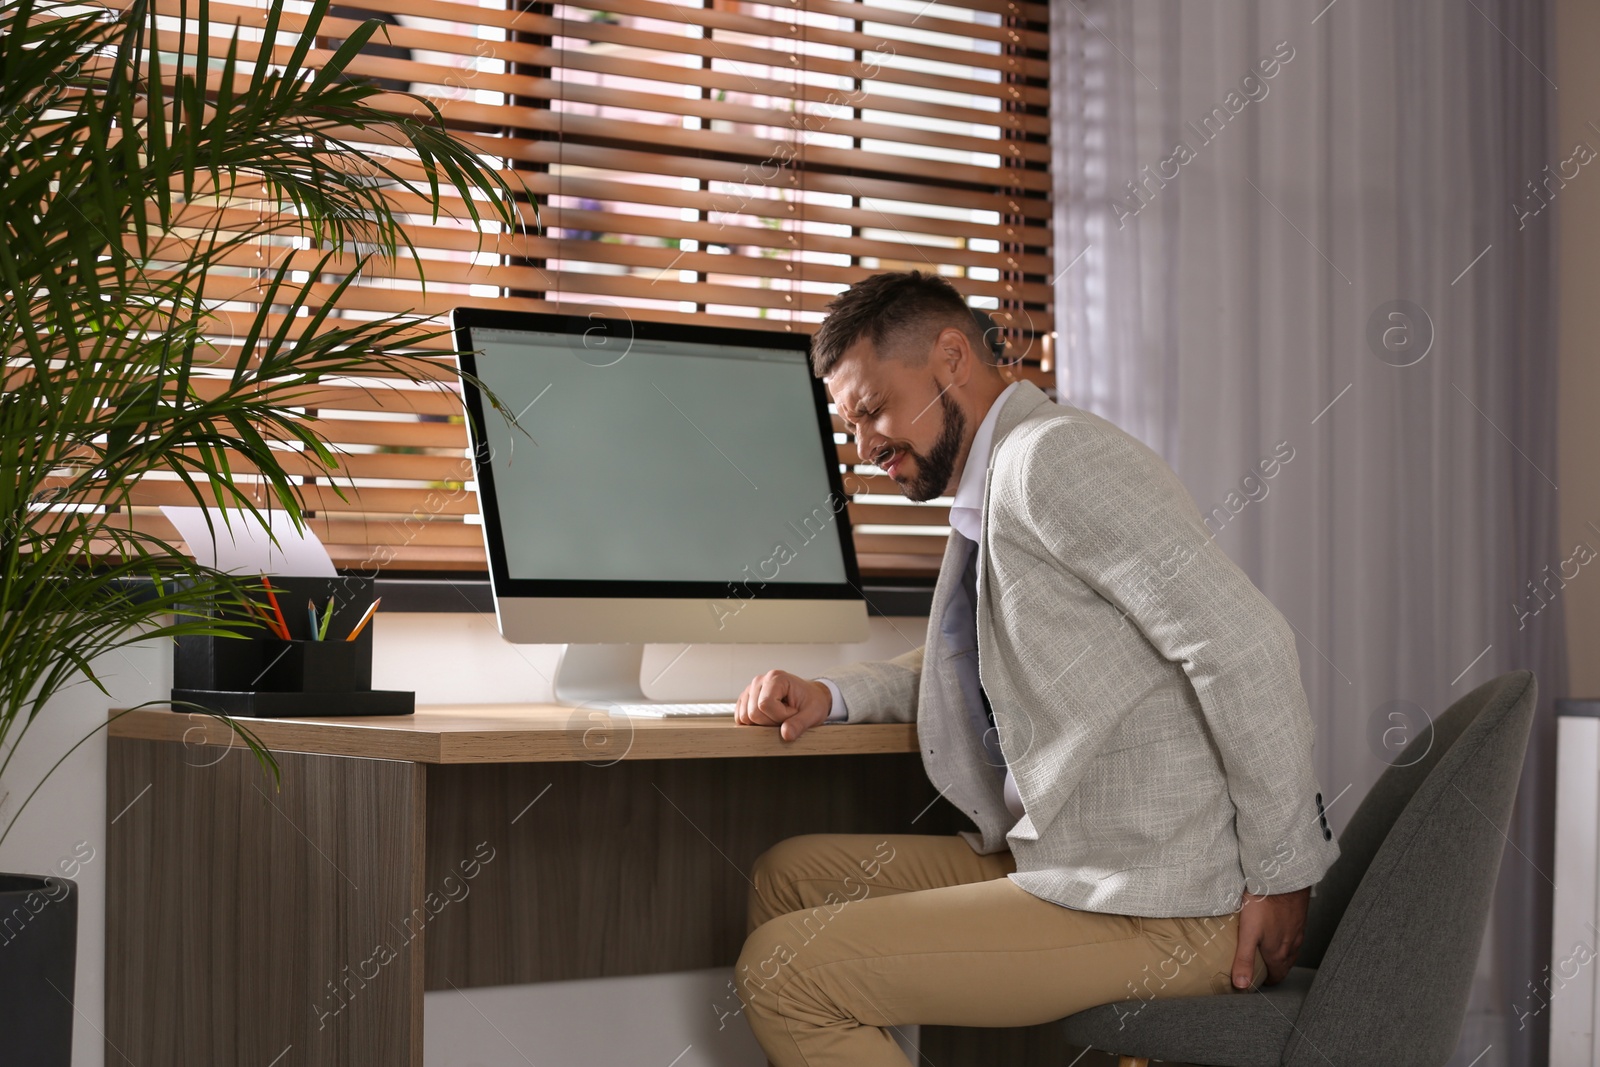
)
(1147, 696)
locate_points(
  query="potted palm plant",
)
(125, 141)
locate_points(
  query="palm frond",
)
(122, 142)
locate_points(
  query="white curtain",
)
(1300, 258)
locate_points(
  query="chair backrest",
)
(1411, 904)
(1376, 815)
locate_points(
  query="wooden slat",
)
(657, 280)
(421, 531)
(364, 560)
(437, 303)
(394, 399)
(432, 360)
(394, 432)
(745, 179)
(581, 127)
(896, 565)
(325, 499)
(718, 228)
(387, 465)
(899, 514)
(907, 544)
(721, 232)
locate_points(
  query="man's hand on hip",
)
(789, 702)
(1276, 924)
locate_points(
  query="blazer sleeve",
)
(884, 691)
(1108, 509)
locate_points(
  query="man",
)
(1102, 692)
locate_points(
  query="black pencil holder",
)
(262, 675)
(316, 666)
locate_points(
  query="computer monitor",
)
(664, 483)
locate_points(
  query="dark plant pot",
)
(38, 955)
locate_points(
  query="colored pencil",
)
(272, 598)
(365, 618)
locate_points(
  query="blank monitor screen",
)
(655, 454)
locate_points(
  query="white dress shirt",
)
(966, 518)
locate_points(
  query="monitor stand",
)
(591, 675)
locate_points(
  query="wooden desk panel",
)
(517, 733)
(638, 867)
(242, 921)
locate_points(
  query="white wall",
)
(444, 658)
(450, 659)
(70, 811)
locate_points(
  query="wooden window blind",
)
(713, 161)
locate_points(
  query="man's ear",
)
(955, 355)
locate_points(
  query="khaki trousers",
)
(853, 935)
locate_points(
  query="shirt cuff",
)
(838, 713)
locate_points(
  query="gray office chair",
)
(1394, 928)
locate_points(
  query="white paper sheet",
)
(243, 545)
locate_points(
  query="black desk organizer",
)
(264, 677)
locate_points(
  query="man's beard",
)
(935, 468)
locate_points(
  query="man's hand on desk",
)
(787, 701)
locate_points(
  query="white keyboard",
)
(673, 711)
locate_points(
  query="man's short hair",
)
(891, 307)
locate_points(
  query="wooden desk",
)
(459, 847)
(516, 733)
